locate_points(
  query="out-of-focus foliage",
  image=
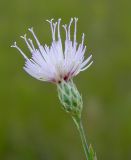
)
(32, 124)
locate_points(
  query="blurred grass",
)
(32, 124)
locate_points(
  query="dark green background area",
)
(32, 124)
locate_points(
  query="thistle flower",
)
(55, 63)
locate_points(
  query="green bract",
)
(70, 98)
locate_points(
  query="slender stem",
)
(80, 128)
(83, 138)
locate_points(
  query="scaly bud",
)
(70, 98)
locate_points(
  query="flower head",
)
(56, 63)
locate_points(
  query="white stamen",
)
(37, 41)
(65, 27)
(54, 30)
(75, 29)
(51, 26)
(69, 28)
(83, 37)
(86, 62)
(15, 46)
(24, 37)
(87, 66)
(31, 42)
(59, 37)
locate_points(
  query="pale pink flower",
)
(55, 63)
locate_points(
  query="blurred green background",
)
(32, 124)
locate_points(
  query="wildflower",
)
(55, 63)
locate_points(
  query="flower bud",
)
(70, 98)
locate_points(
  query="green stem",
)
(80, 128)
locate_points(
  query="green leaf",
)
(92, 155)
